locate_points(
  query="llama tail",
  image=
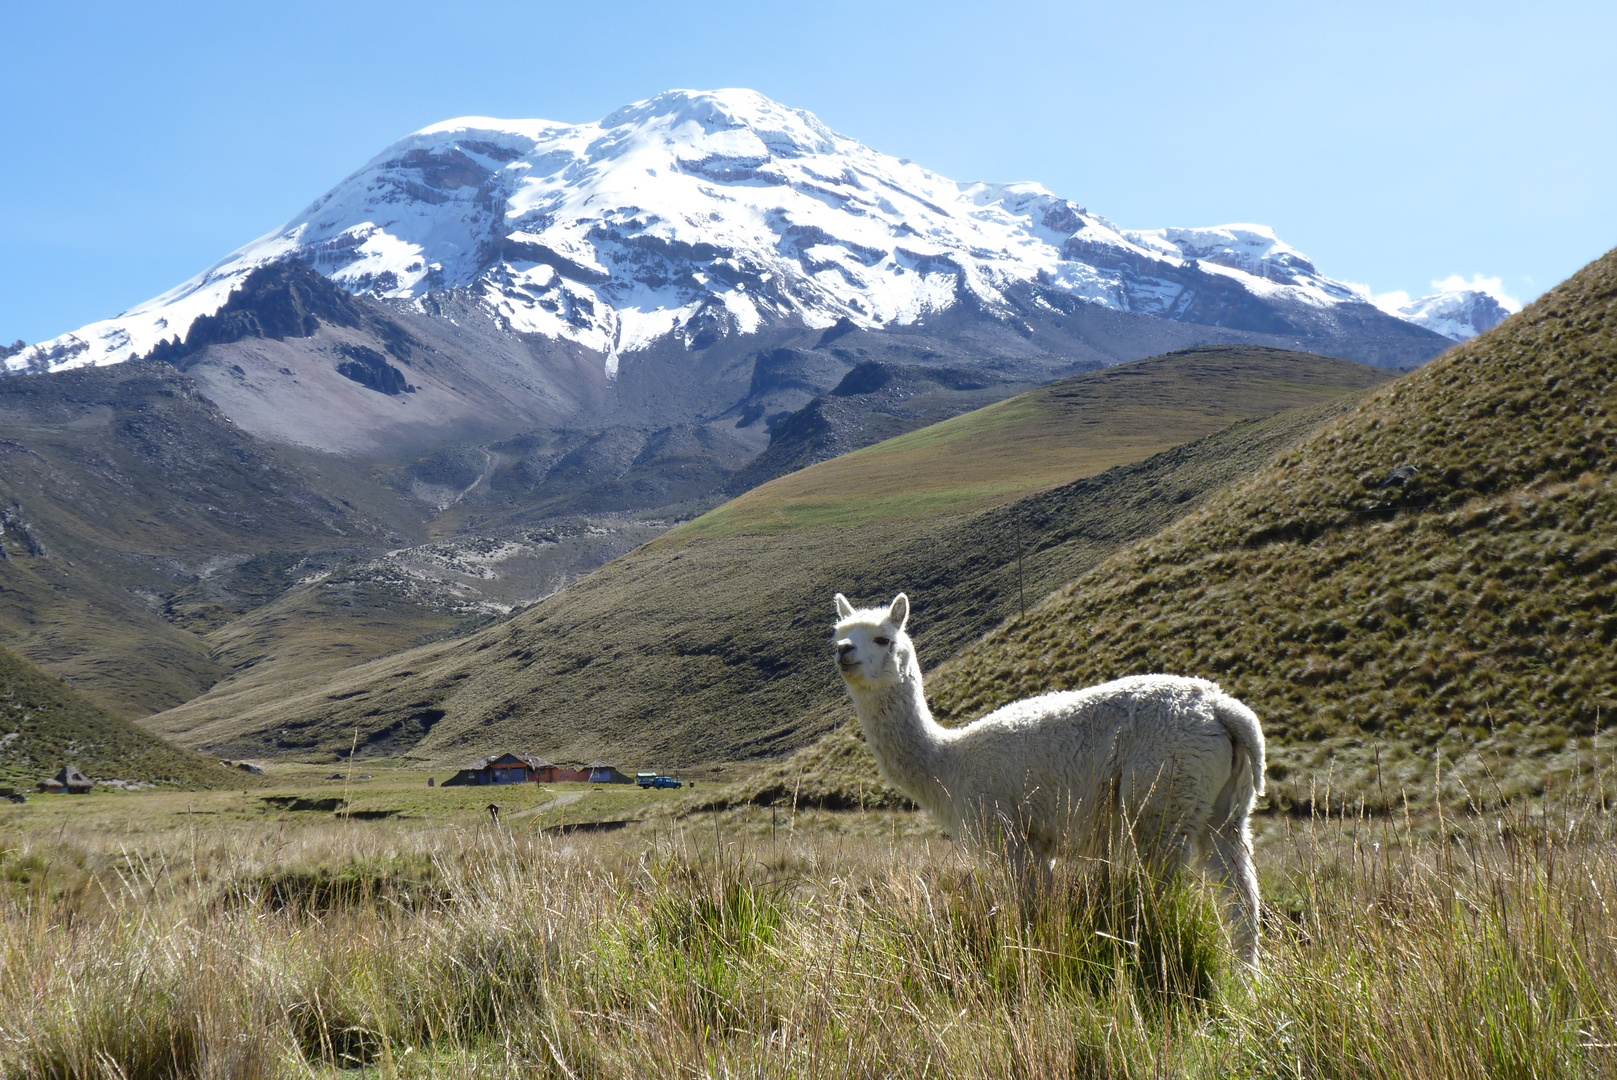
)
(1246, 778)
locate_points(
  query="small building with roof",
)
(499, 769)
(69, 781)
(561, 774)
(525, 768)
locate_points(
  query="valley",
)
(621, 663)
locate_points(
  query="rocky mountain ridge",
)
(1460, 314)
(697, 217)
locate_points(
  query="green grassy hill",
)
(45, 724)
(1076, 427)
(1472, 611)
(709, 643)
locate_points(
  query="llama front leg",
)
(1006, 836)
(1032, 870)
(1228, 857)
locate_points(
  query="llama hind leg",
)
(1227, 855)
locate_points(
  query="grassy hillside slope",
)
(709, 642)
(1472, 611)
(131, 512)
(45, 724)
(1075, 427)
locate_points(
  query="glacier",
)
(696, 215)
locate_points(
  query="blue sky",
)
(1394, 143)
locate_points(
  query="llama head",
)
(870, 644)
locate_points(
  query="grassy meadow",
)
(216, 934)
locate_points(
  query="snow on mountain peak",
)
(708, 116)
(1459, 310)
(476, 126)
(698, 214)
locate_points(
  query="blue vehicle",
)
(650, 780)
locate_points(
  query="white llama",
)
(1176, 760)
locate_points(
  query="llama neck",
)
(907, 743)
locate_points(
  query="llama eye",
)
(884, 642)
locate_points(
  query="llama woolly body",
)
(1173, 763)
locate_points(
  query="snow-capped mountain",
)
(696, 216)
(1459, 314)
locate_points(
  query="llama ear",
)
(900, 611)
(844, 609)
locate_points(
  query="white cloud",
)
(1494, 287)
(1396, 301)
(1390, 302)
(1393, 303)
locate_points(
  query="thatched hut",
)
(69, 781)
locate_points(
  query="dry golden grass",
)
(845, 945)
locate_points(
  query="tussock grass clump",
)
(35, 874)
(1107, 929)
(702, 945)
(408, 882)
